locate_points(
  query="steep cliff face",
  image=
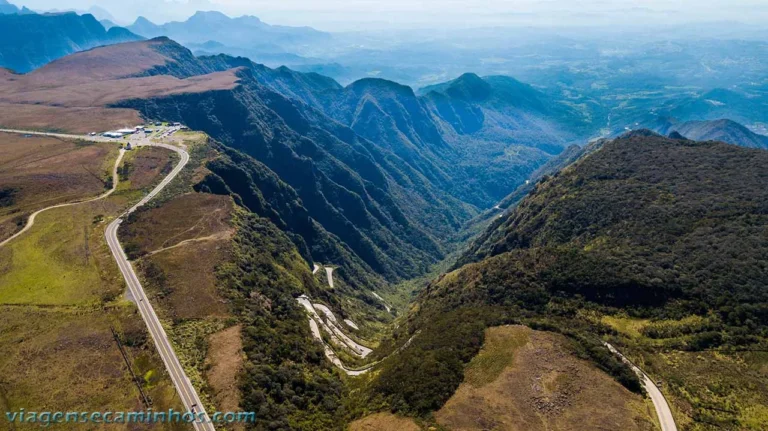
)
(367, 197)
(389, 174)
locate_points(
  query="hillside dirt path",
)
(31, 219)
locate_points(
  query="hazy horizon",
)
(403, 14)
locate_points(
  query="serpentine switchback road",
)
(184, 387)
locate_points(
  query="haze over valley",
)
(540, 217)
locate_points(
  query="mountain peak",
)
(676, 135)
(468, 77)
(8, 8)
(723, 130)
(142, 21)
(378, 84)
(209, 17)
(469, 87)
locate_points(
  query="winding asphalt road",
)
(183, 385)
(329, 272)
(659, 402)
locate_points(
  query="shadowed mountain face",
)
(356, 205)
(379, 168)
(475, 137)
(715, 130)
(370, 177)
(29, 41)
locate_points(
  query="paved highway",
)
(659, 402)
(184, 387)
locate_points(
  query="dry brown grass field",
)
(526, 380)
(224, 363)
(190, 216)
(145, 164)
(181, 244)
(66, 359)
(73, 93)
(60, 292)
(62, 119)
(384, 422)
(177, 248)
(41, 171)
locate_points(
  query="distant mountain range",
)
(722, 130)
(10, 9)
(245, 32)
(31, 40)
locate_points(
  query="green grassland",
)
(60, 292)
(66, 359)
(708, 389)
(63, 259)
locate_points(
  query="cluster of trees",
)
(7, 195)
(287, 381)
(647, 226)
(124, 171)
(666, 228)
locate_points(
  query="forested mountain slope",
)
(646, 227)
(370, 162)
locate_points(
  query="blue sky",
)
(368, 14)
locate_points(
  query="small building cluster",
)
(117, 134)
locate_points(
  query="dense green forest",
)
(646, 227)
(287, 381)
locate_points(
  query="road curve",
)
(31, 219)
(314, 325)
(659, 402)
(184, 387)
(329, 273)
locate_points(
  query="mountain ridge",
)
(24, 45)
(244, 31)
(723, 130)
